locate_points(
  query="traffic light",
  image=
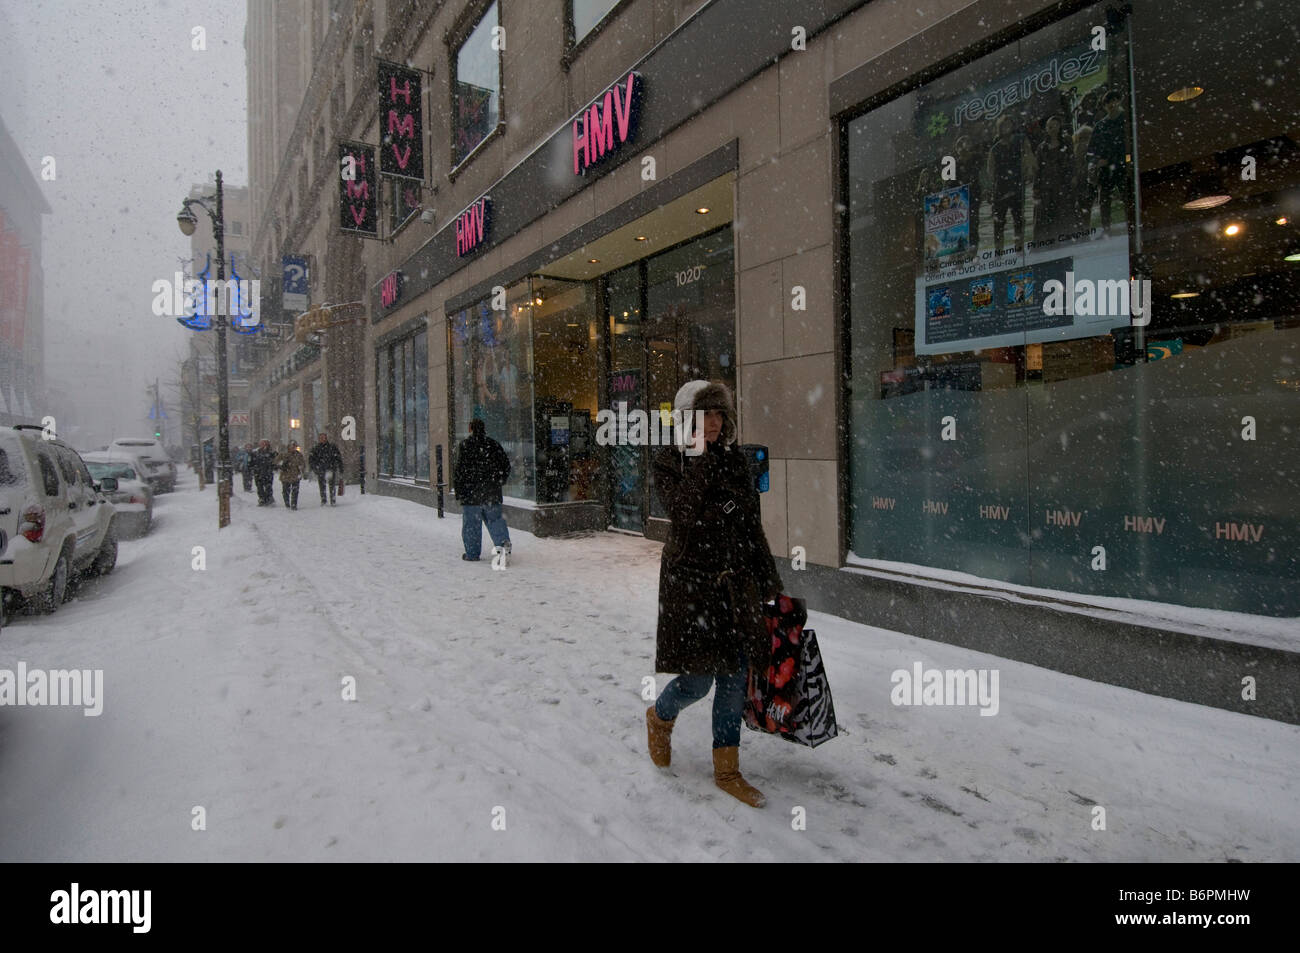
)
(157, 433)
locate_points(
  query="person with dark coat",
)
(482, 468)
(326, 461)
(291, 463)
(244, 464)
(715, 573)
(262, 461)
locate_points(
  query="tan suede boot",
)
(659, 735)
(726, 775)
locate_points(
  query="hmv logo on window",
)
(607, 123)
(401, 122)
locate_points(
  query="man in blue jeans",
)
(482, 467)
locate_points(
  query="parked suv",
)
(159, 470)
(55, 520)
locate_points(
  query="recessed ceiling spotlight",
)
(1281, 221)
(1233, 229)
(640, 238)
(593, 261)
(703, 210)
(1184, 94)
(1205, 191)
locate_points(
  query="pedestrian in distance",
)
(241, 465)
(262, 461)
(292, 464)
(715, 573)
(481, 469)
(326, 461)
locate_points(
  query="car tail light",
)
(33, 525)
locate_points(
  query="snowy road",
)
(521, 690)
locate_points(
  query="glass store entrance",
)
(671, 320)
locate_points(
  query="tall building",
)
(1004, 290)
(22, 288)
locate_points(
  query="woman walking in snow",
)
(292, 464)
(715, 573)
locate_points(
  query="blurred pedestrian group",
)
(258, 465)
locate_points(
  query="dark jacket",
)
(716, 554)
(481, 468)
(262, 462)
(324, 457)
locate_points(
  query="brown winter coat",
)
(713, 555)
(292, 464)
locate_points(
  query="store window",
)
(476, 87)
(1068, 292)
(492, 379)
(294, 420)
(403, 201)
(587, 14)
(402, 372)
(565, 379)
(690, 324)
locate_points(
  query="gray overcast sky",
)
(133, 116)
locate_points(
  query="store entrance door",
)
(672, 320)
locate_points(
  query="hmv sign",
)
(605, 125)
(358, 197)
(401, 122)
(472, 227)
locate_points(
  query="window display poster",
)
(1024, 179)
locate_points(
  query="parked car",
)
(133, 498)
(159, 469)
(55, 521)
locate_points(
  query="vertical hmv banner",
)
(358, 196)
(401, 122)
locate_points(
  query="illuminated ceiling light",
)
(1281, 221)
(571, 325)
(594, 261)
(1233, 229)
(1186, 294)
(640, 238)
(702, 210)
(1184, 94)
(625, 314)
(1292, 252)
(1205, 191)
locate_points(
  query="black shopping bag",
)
(792, 698)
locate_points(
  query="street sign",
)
(295, 283)
(239, 420)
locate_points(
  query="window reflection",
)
(477, 88)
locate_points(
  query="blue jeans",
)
(471, 527)
(728, 702)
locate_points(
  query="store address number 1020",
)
(691, 274)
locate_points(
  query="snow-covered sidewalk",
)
(515, 696)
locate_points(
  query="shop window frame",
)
(842, 279)
(573, 45)
(454, 40)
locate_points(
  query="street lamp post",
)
(186, 220)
